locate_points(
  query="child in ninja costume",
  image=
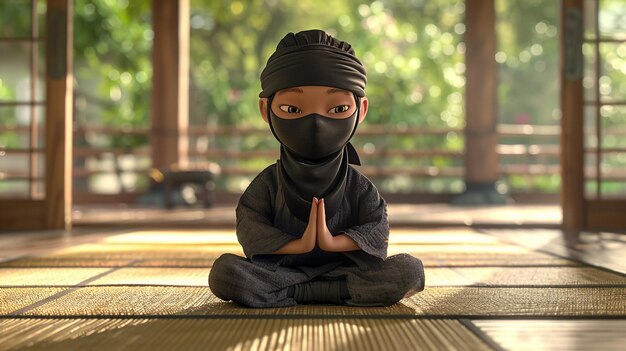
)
(313, 228)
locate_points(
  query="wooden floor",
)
(486, 289)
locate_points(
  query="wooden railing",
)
(537, 159)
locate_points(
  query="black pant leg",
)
(382, 286)
(236, 278)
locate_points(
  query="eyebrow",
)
(294, 90)
(334, 90)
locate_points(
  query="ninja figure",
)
(312, 227)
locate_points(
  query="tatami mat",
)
(434, 301)
(478, 255)
(143, 255)
(13, 299)
(47, 276)
(181, 237)
(112, 255)
(177, 263)
(543, 301)
(157, 276)
(211, 237)
(522, 276)
(440, 236)
(138, 300)
(458, 276)
(146, 251)
(435, 256)
(44, 262)
(433, 259)
(237, 334)
(573, 335)
(69, 297)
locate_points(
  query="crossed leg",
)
(236, 278)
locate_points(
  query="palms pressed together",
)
(318, 234)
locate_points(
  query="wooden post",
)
(572, 148)
(481, 138)
(59, 95)
(170, 83)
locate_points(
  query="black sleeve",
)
(371, 231)
(255, 230)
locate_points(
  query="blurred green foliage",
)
(414, 55)
(7, 118)
(113, 67)
(528, 90)
(413, 51)
(16, 18)
(414, 71)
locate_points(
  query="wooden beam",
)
(481, 138)
(170, 83)
(59, 90)
(572, 141)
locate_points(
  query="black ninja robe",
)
(265, 224)
(315, 161)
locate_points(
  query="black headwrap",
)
(313, 58)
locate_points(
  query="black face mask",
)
(314, 157)
(313, 137)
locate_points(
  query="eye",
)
(289, 109)
(339, 109)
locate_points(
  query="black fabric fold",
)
(353, 156)
(302, 180)
(265, 223)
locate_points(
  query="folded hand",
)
(325, 240)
